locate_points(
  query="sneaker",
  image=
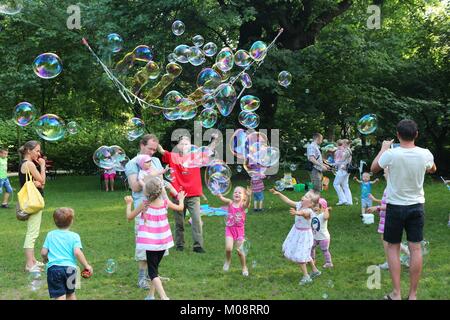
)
(328, 265)
(33, 269)
(340, 203)
(180, 248)
(305, 280)
(405, 262)
(315, 274)
(245, 273)
(143, 284)
(384, 266)
(226, 266)
(6, 206)
(199, 250)
(149, 298)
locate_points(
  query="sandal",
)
(33, 269)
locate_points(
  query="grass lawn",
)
(105, 233)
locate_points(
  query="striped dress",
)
(153, 233)
(382, 213)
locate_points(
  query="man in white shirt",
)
(405, 202)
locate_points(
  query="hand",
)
(293, 211)
(355, 178)
(37, 184)
(181, 195)
(89, 269)
(371, 209)
(167, 168)
(387, 144)
(128, 200)
(275, 192)
(41, 162)
(326, 167)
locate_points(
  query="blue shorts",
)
(4, 183)
(258, 196)
(366, 202)
(61, 280)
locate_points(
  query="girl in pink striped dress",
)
(153, 234)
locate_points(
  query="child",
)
(109, 175)
(153, 234)
(4, 181)
(235, 225)
(298, 244)
(257, 186)
(382, 211)
(366, 190)
(145, 164)
(319, 224)
(60, 251)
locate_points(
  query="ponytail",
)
(27, 147)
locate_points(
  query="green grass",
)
(105, 233)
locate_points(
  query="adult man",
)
(405, 198)
(148, 146)
(188, 180)
(315, 156)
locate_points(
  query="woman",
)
(31, 154)
(343, 157)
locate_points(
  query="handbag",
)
(29, 198)
(351, 168)
(309, 166)
(21, 215)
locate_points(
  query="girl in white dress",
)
(299, 241)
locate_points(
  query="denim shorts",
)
(366, 202)
(61, 280)
(409, 218)
(258, 196)
(5, 183)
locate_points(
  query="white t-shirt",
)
(407, 168)
(319, 226)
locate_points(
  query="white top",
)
(407, 168)
(319, 226)
(301, 223)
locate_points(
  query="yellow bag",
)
(30, 199)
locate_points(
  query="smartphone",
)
(395, 145)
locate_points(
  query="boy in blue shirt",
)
(60, 251)
(366, 190)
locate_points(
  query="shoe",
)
(6, 206)
(340, 203)
(199, 250)
(33, 269)
(315, 274)
(40, 264)
(328, 265)
(149, 298)
(305, 280)
(245, 273)
(347, 204)
(226, 266)
(404, 261)
(180, 249)
(384, 266)
(143, 284)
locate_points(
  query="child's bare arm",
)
(44, 255)
(326, 213)
(131, 214)
(374, 199)
(82, 259)
(249, 197)
(357, 180)
(302, 212)
(180, 205)
(223, 199)
(285, 199)
(374, 181)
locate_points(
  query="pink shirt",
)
(153, 233)
(235, 217)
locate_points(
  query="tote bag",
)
(30, 199)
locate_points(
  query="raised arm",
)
(326, 213)
(356, 179)
(302, 212)
(374, 181)
(180, 206)
(161, 150)
(375, 167)
(285, 199)
(223, 199)
(131, 214)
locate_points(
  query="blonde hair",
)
(243, 191)
(314, 197)
(340, 142)
(153, 188)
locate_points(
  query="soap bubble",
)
(368, 124)
(225, 59)
(72, 127)
(152, 69)
(210, 49)
(325, 295)
(143, 53)
(47, 66)
(208, 101)
(208, 80)
(135, 128)
(254, 264)
(24, 114)
(111, 266)
(258, 51)
(219, 184)
(225, 99)
(196, 57)
(115, 42)
(178, 28)
(172, 99)
(113, 157)
(246, 81)
(172, 114)
(250, 103)
(237, 143)
(174, 69)
(242, 58)
(198, 40)
(169, 175)
(35, 281)
(11, 7)
(249, 120)
(293, 167)
(208, 118)
(188, 109)
(284, 78)
(50, 127)
(182, 53)
(245, 247)
(279, 186)
(330, 284)
(172, 57)
(271, 157)
(218, 166)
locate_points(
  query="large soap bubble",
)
(197, 56)
(225, 59)
(225, 99)
(143, 53)
(284, 78)
(182, 53)
(115, 42)
(208, 118)
(178, 28)
(249, 120)
(11, 7)
(24, 113)
(50, 127)
(113, 157)
(368, 124)
(47, 66)
(210, 49)
(135, 128)
(258, 51)
(198, 40)
(208, 80)
(242, 58)
(250, 103)
(72, 127)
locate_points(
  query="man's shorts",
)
(409, 218)
(61, 280)
(4, 183)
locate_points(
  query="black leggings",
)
(153, 260)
